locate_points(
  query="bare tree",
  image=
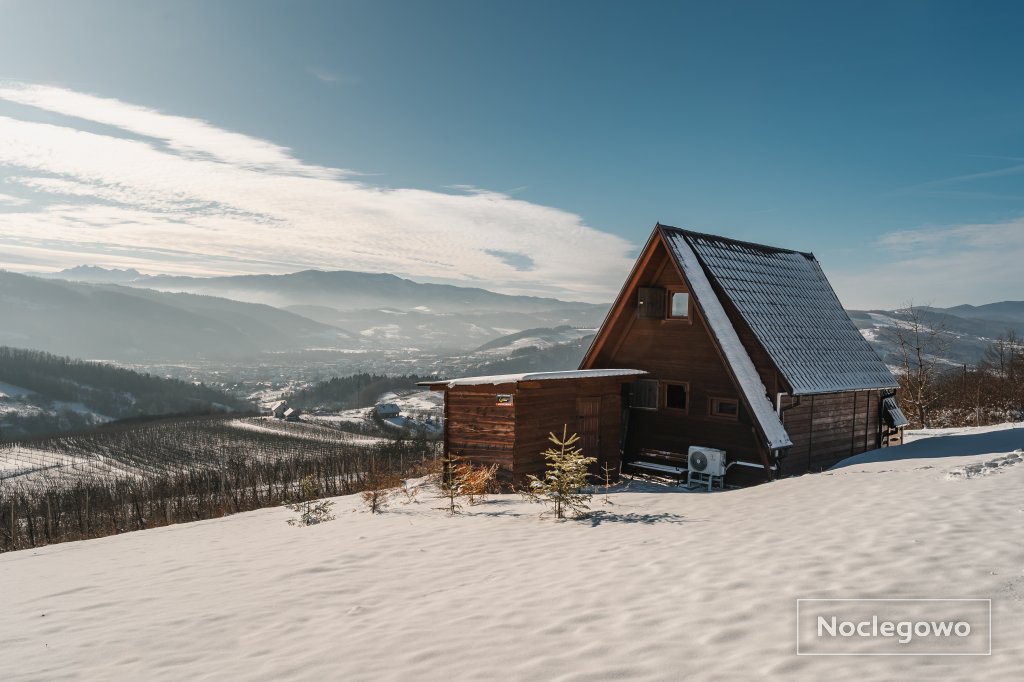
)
(921, 347)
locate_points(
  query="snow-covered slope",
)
(655, 585)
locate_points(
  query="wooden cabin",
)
(747, 349)
(506, 419)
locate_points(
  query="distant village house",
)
(386, 410)
(277, 409)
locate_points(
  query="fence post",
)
(14, 529)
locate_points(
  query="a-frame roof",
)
(788, 303)
(785, 299)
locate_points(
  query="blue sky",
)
(520, 146)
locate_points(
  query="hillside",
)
(967, 331)
(532, 350)
(347, 290)
(392, 327)
(654, 585)
(125, 324)
(42, 393)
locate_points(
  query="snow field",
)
(653, 586)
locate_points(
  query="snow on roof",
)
(729, 341)
(535, 376)
(790, 306)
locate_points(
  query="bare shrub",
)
(477, 482)
(380, 488)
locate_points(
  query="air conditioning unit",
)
(710, 461)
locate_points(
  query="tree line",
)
(934, 392)
(357, 390)
(111, 391)
(174, 487)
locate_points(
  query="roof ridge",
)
(762, 247)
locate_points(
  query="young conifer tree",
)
(450, 481)
(565, 479)
(312, 511)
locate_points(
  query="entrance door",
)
(588, 425)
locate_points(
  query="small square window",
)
(675, 396)
(679, 306)
(724, 408)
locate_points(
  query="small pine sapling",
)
(450, 482)
(565, 479)
(312, 511)
(607, 471)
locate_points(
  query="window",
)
(676, 395)
(679, 305)
(650, 302)
(645, 394)
(724, 408)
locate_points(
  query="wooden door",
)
(588, 425)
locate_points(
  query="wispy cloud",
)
(182, 195)
(8, 200)
(942, 185)
(949, 265)
(330, 77)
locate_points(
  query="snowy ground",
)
(653, 586)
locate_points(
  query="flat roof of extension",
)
(533, 376)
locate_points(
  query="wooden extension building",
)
(733, 347)
(506, 419)
(747, 350)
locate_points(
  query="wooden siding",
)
(683, 351)
(515, 436)
(545, 407)
(829, 427)
(479, 430)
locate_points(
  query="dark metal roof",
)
(790, 306)
(893, 414)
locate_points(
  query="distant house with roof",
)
(292, 414)
(748, 350)
(743, 363)
(386, 410)
(278, 408)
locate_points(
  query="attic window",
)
(645, 394)
(724, 408)
(679, 305)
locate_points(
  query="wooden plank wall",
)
(479, 430)
(681, 351)
(829, 427)
(544, 407)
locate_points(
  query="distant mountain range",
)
(112, 322)
(185, 317)
(329, 309)
(966, 330)
(346, 290)
(95, 274)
